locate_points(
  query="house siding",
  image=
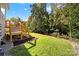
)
(2, 20)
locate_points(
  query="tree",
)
(40, 18)
(15, 19)
(73, 16)
(63, 17)
(29, 21)
(58, 17)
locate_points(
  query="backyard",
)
(45, 46)
(44, 29)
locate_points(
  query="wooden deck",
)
(18, 30)
(14, 33)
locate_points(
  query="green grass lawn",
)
(45, 46)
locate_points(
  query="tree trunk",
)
(70, 33)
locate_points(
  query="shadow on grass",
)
(21, 50)
(33, 44)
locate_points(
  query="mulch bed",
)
(25, 39)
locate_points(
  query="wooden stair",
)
(1, 35)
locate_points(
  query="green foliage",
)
(15, 19)
(66, 19)
(59, 20)
(72, 13)
(63, 17)
(40, 17)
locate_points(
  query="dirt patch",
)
(75, 46)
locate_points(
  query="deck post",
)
(21, 30)
(10, 30)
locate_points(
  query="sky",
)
(22, 10)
